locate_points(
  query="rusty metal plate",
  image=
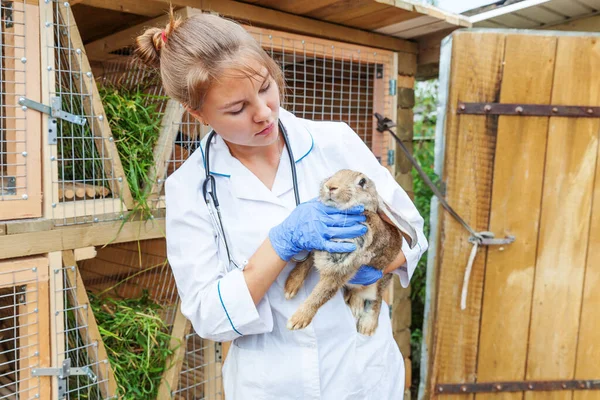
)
(523, 386)
(528, 110)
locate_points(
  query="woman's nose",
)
(262, 113)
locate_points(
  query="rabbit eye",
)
(362, 182)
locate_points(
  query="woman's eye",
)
(237, 112)
(362, 182)
(264, 89)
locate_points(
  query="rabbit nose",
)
(332, 188)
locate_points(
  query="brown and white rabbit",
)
(377, 248)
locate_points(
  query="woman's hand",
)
(312, 225)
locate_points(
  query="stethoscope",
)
(209, 191)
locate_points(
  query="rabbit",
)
(378, 247)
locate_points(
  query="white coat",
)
(328, 359)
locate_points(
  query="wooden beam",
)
(65, 238)
(145, 8)
(170, 381)
(269, 18)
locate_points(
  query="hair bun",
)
(148, 47)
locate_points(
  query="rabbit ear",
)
(399, 221)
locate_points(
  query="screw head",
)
(88, 74)
(52, 158)
(53, 205)
(78, 51)
(23, 60)
(590, 111)
(66, 4)
(462, 107)
(24, 108)
(101, 117)
(25, 197)
(35, 310)
(487, 108)
(120, 179)
(519, 109)
(96, 219)
(111, 139)
(554, 109)
(34, 269)
(49, 68)
(24, 154)
(48, 23)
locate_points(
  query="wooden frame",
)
(33, 322)
(26, 203)
(53, 208)
(170, 381)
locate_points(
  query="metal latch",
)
(55, 110)
(63, 373)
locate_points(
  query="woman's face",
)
(244, 111)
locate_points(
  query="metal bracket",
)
(7, 7)
(523, 386)
(391, 157)
(54, 110)
(488, 239)
(8, 186)
(218, 352)
(62, 374)
(393, 87)
(541, 110)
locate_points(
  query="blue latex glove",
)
(366, 275)
(311, 226)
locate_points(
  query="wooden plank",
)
(467, 173)
(516, 200)
(163, 148)
(65, 238)
(379, 147)
(101, 128)
(148, 9)
(57, 315)
(89, 327)
(565, 219)
(85, 253)
(588, 348)
(170, 380)
(44, 331)
(48, 84)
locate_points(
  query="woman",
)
(224, 78)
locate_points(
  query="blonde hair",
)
(192, 54)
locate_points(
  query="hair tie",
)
(164, 36)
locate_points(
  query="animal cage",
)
(127, 271)
(325, 80)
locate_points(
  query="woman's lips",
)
(267, 130)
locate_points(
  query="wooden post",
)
(164, 146)
(400, 297)
(170, 380)
(57, 315)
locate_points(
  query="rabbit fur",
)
(378, 247)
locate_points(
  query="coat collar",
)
(222, 163)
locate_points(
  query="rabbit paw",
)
(300, 320)
(357, 305)
(367, 324)
(291, 287)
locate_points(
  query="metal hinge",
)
(8, 186)
(7, 7)
(391, 157)
(541, 110)
(62, 374)
(218, 352)
(517, 386)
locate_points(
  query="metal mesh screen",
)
(200, 377)
(13, 124)
(77, 343)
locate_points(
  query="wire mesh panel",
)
(78, 340)
(20, 184)
(85, 178)
(200, 377)
(24, 345)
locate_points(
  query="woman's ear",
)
(196, 114)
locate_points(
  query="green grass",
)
(137, 343)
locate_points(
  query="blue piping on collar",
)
(312, 144)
